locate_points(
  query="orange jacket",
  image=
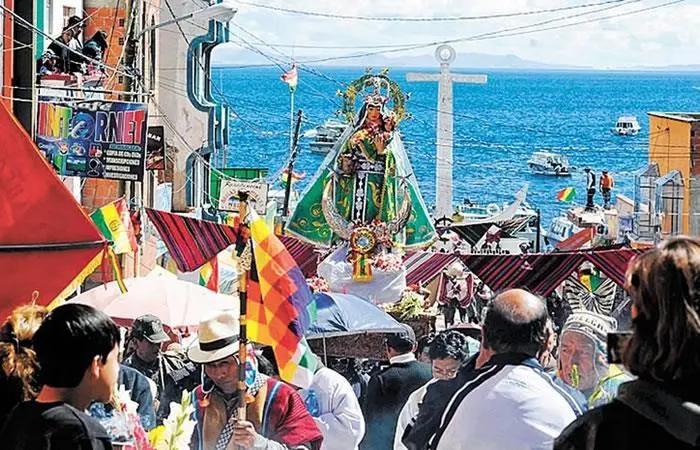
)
(606, 181)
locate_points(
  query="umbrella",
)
(177, 303)
(347, 314)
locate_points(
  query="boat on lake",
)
(626, 126)
(545, 163)
(327, 135)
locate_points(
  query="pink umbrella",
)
(179, 304)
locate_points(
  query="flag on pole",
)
(566, 194)
(296, 176)
(209, 275)
(280, 305)
(291, 78)
(114, 221)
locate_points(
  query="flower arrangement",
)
(176, 431)
(121, 421)
(410, 306)
(318, 284)
(389, 262)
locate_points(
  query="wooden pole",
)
(290, 168)
(243, 270)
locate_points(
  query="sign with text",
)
(94, 139)
(257, 193)
(155, 148)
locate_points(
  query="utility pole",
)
(290, 167)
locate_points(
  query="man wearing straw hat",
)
(276, 416)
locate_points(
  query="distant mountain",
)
(231, 55)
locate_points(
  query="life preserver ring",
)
(493, 209)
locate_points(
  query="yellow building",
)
(674, 144)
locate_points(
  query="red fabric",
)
(576, 241)
(36, 208)
(289, 422)
(191, 242)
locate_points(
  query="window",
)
(121, 41)
(122, 21)
(120, 79)
(68, 11)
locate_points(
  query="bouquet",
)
(176, 431)
(410, 305)
(121, 421)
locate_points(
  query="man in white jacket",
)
(334, 406)
(448, 350)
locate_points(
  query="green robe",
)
(371, 192)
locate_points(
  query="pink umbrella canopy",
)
(178, 304)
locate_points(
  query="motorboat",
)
(561, 229)
(626, 126)
(545, 163)
(327, 135)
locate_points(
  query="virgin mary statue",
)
(366, 181)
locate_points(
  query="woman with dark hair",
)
(662, 408)
(19, 369)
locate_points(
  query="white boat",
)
(545, 163)
(327, 135)
(561, 229)
(626, 126)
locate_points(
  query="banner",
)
(257, 192)
(155, 148)
(94, 139)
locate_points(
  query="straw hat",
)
(218, 338)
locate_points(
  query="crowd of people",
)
(522, 385)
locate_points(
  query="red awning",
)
(575, 242)
(46, 240)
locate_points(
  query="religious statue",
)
(365, 193)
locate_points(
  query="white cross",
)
(445, 55)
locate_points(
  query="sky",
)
(666, 36)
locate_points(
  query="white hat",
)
(456, 270)
(218, 338)
(593, 325)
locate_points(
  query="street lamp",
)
(221, 12)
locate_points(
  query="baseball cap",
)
(405, 336)
(149, 327)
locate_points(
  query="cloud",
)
(665, 36)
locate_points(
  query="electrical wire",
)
(423, 19)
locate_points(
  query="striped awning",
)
(303, 254)
(423, 267)
(542, 273)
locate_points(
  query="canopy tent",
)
(347, 314)
(48, 245)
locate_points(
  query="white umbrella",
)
(176, 303)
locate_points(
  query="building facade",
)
(674, 144)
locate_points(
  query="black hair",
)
(400, 345)
(69, 339)
(424, 343)
(450, 344)
(507, 330)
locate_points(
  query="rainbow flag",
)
(280, 305)
(209, 275)
(291, 77)
(114, 222)
(566, 195)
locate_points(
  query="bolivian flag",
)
(291, 77)
(209, 275)
(566, 194)
(114, 222)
